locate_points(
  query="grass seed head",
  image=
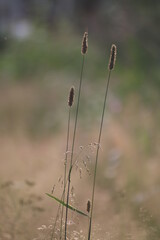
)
(71, 97)
(88, 206)
(112, 59)
(84, 43)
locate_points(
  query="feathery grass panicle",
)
(84, 43)
(88, 206)
(112, 59)
(71, 97)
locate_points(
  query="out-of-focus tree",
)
(133, 24)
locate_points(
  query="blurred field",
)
(36, 75)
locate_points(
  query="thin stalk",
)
(97, 154)
(70, 104)
(59, 206)
(70, 169)
(65, 169)
(73, 143)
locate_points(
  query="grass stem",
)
(73, 143)
(97, 154)
(65, 170)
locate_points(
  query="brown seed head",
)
(88, 206)
(84, 43)
(112, 59)
(71, 97)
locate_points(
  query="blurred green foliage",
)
(44, 53)
(50, 62)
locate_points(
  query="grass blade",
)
(68, 206)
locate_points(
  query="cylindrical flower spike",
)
(84, 43)
(71, 97)
(88, 206)
(112, 59)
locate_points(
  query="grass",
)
(125, 198)
(110, 67)
(70, 103)
(83, 51)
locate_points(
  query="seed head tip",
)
(84, 43)
(71, 97)
(88, 206)
(112, 59)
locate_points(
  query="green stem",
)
(97, 154)
(65, 170)
(70, 169)
(73, 143)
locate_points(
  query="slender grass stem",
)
(57, 215)
(70, 104)
(73, 142)
(62, 197)
(65, 170)
(97, 154)
(111, 65)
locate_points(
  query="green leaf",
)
(64, 204)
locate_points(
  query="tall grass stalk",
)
(70, 103)
(83, 51)
(62, 197)
(110, 67)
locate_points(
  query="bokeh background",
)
(40, 59)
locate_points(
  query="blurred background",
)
(40, 59)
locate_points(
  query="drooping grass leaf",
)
(69, 206)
